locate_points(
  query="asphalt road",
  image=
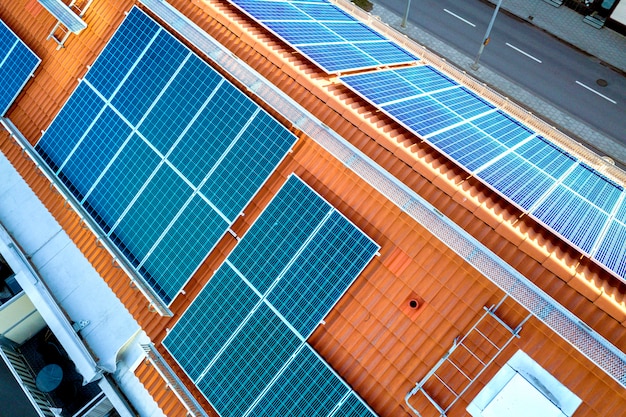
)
(529, 57)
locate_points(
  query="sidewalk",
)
(612, 44)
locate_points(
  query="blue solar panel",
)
(354, 31)
(611, 252)
(154, 69)
(517, 179)
(572, 217)
(185, 245)
(423, 115)
(308, 254)
(269, 10)
(324, 12)
(7, 40)
(594, 186)
(362, 48)
(308, 387)
(327, 56)
(151, 213)
(17, 64)
(550, 159)
(179, 104)
(91, 156)
(620, 214)
(463, 102)
(210, 320)
(247, 165)
(321, 273)
(121, 182)
(212, 132)
(188, 122)
(503, 128)
(468, 145)
(248, 364)
(79, 112)
(385, 86)
(122, 51)
(309, 32)
(278, 233)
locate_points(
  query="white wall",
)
(619, 14)
(20, 320)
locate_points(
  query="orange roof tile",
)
(374, 339)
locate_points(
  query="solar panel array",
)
(17, 65)
(324, 33)
(574, 200)
(162, 151)
(243, 339)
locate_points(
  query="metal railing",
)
(24, 375)
(563, 322)
(173, 382)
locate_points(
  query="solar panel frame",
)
(17, 66)
(560, 210)
(610, 251)
(239, 355)
(537, 190)
(153, 44)
(330, 57)
(64, 14)
(279, 400)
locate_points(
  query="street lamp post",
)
(406, 14)
(474, 66)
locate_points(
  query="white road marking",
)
(523, 53)
(594, 91)
(459, 17)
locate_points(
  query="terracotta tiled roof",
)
(373, 338)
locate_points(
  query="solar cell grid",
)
(210, 320)
(261, 147)
(121, 182)
(502, 128)
(278, 234)
(90, 157)
(547, 157)
(68, 127)
(620, 214)
(423, 115)
(572, 217)
(324, 12)
(463, 102)
(248, 364)
(185, 245)
(517, 179)
(468, 145)
(152, 211)
(269, 10)
(354, 31)
(179, 103)
(611, 251)
(321, 273)
(328, 56)
(594, 187)
(121, 52)
(212, 132)
(154, 69)
(308, 387)
(299, 33)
